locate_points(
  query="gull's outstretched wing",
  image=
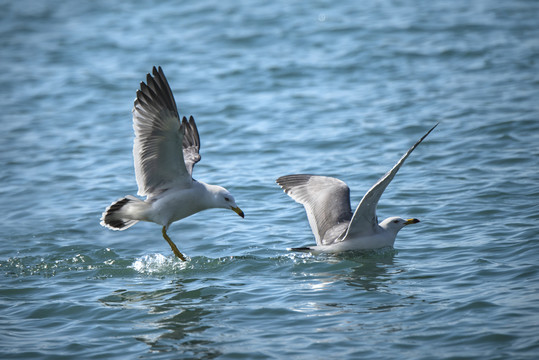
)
(159, 135)
(364, 222)
(326, 201)
(191, 144)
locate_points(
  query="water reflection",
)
(372, 274)
(185, 317)
(178, 318)
(182, 332)
(369, 271)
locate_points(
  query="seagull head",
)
(224, 199)
(394, 224)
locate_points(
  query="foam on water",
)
(157, 263)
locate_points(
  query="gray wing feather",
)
(326, 201)
(191, 144)
(364, 221)
(159, 136)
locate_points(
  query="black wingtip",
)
(428, 132)
(302, 249)
(418, 142)
(287, 182)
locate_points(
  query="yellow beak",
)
(238, 211)
(411, 221)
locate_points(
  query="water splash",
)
(158, 264)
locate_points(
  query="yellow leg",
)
(173, 246)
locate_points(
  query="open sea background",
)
(332, 88)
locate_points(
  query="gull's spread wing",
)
(326, 200)
(191, 144)
(364, 221)
(159, 136)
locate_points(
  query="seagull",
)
(335, 227)
(165, 151)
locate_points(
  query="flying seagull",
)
(165, 151)
(335, 227)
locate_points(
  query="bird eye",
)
(227, 199)
(396, 221)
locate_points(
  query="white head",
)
(222, 198)
(394, 224)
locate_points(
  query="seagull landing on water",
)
(335, 227)
(165, 151)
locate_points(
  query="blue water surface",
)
(332, 88)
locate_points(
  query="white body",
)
(384, 236)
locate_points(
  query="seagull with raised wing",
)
(335, 227)
(165, 151)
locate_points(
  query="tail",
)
(123, 213)
(304, 249)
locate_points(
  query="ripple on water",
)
(327, 88)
